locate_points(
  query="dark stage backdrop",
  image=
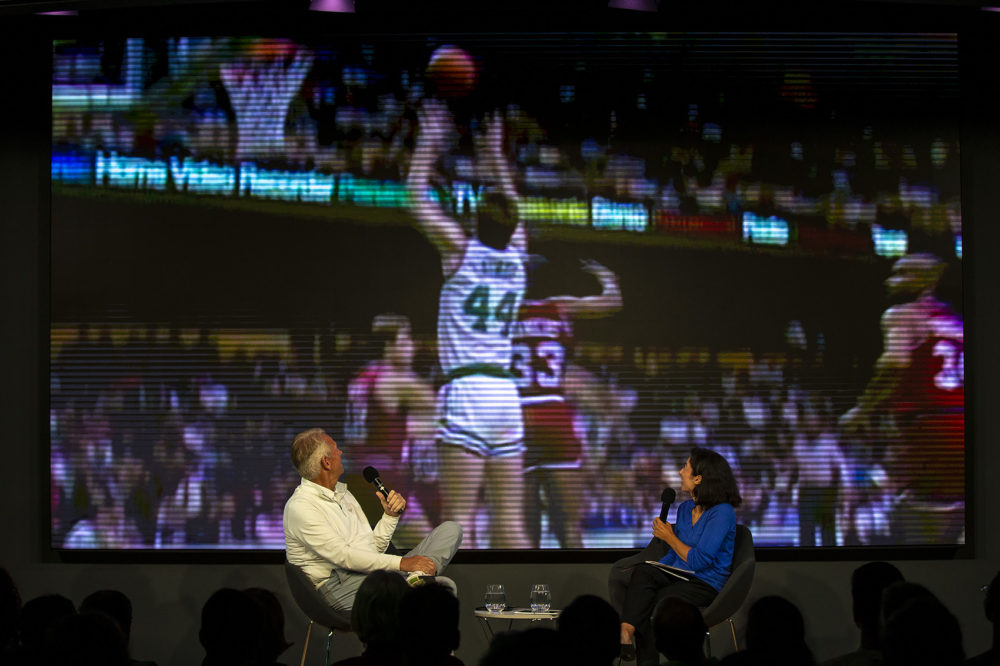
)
(231, 227)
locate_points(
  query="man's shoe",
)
(418, 578)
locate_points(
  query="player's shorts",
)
(934, 467)
(482, 414)
(549, 436)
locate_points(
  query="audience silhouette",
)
(274, 642)
(589, 630)
(679, 631)
(85, 639)
(868, 582)
(375, 619)
(901, 624)
(775, 636)
(922, 632)
(428, 626)
(233, 630)
(991, 656)
(540, 646)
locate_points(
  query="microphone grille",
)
(370, 473)
(668, 495)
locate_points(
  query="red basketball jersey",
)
(541, 339)
(934, 381)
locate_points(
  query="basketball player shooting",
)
(481, 430)
(919, 380)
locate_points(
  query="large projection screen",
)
(750, 243)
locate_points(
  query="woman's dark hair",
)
(718, 485)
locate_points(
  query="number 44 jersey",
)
(478, 306)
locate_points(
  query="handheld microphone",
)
(371, 476)
(667, 497)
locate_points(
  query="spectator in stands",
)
(589, 632)
(867, 584)
(991, 656)
(233, 630)
(679, 631)
(375, 619)
(118, 607)
(428, 624)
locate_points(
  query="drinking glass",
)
(541, 598)
(496, 599)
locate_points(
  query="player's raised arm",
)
(899, 339)
(443, 231)
(606, 303)
(499, 170)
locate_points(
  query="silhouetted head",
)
(896, 595)
(112, 603)
(38, 616)
(496, 220)
(428, 625)
(274, 640)
(375, 615)
(990, 603)
(233, 628)
(679, 630)
(590, 630)
(775, 628)
(867, 584)
(87, 639)
(922, 632)
(539, 646)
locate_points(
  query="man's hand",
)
(418, 563)
(661, 530)
(392, 505)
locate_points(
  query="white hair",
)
(308, 449)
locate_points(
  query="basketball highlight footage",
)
(673, 242)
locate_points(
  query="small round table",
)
(511, 614)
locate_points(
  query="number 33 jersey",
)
(935, 378)
(541, 337)
(478, 306)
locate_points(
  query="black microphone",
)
(667, 497)
(371, 476)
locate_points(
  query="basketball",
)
(452, 72)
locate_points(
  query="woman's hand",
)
(662, 531)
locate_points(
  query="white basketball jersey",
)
(478, 307)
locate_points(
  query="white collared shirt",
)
(327, 530)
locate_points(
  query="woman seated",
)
(702, 544)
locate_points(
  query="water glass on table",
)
(541, 598)
(496, 598)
